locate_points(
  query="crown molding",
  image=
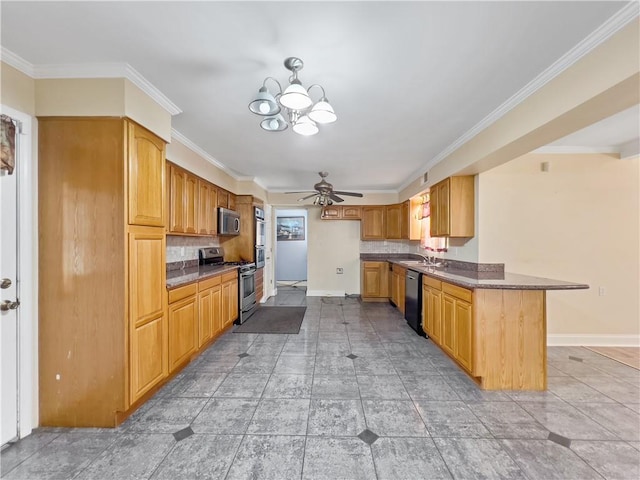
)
(17, 62)
(630, 149)
(614, 24)
(91, 70)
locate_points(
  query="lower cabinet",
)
(183, 325)
(375, 281)
(209, 309)
(229, 298)
(447, 317)
(398, 275)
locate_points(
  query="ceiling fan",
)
(324, 193)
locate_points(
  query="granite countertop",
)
(490, 277)
(184, 276)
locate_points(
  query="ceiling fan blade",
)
(307, 197)
(349, 194)
(304, 191)
(335, 198)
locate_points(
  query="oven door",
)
(259, 257)
(260, 234)
(247, 289)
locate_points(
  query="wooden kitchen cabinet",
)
(341, 212)
(375, 281)
(259, 280)
(332, 212)
(209, 309)
(398, 288)
(452, 207)
(102, 323)
(191, 203)
(183, 325)
(351, 212)
(207, 210)
(373, 226)
(229, 298)
(146, 177)
(431, 307)
(223, 198)
(232, 201)
(393, 221)
(184, 195)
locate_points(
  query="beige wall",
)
(579, 222)
(17, 90)
(332, 244)
(109, 97)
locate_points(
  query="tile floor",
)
(355, 395)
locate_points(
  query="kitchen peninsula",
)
(492, 323)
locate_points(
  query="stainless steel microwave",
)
(228, 222)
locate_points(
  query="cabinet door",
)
(213, 218)
(351, 212)
(226, 304)
(234, 301)
(146, 177)
(394, 221)
(463, 334)
(405, 220)
(434, 306)
(259, 278)
(373, 225)
(216, 310)
(191, 200)
(334, 212)
(433, 207)
(205, 314)
(147, 299)
(402, 273)
(448, 324)
(232, 201)
(443, 208)
(375, 279)
(176, 204)
(183, 330)
(204, 207)
(223, 198)
(394, 288)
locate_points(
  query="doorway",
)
(17, 347)
(291, 233)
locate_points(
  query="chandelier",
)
(293, 105)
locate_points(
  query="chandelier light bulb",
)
(305, 126)
(322, 112)
(295, 97)
(264, 108)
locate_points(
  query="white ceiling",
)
(406, 78)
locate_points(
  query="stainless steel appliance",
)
(413, 301)
(247, 303)
(261, 237)
(228, 222)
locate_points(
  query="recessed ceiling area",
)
(406, 79)
(614, 134)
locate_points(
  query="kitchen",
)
(554, 253)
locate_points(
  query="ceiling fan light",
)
(295, 97)
(264, 103)
(322, 112)
(276, 123)
(305, 126)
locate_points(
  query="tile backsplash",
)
(176, 243)
(390, 246)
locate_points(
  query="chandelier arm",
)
(264, 84)
(319, 86)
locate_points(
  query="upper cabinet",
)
(207, 218)
(452, 207)
(373, 225)
(223, 198)
(341, 212)
(146, 177)
(394, 221)
(184, 201)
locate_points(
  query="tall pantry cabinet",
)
(102, 280)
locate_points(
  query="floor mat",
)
(273, 320)
(627, 355)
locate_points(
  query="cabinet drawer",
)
(431, 282)
(458, 292)
(209, 282)
(182, 292)
(226, 277)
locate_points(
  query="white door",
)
(8, 303)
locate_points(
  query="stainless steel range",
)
(247, 303)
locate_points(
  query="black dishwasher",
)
(413, 301)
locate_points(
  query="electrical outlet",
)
(602, 292)
(339, 271)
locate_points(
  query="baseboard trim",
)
(326, 293)
(593, 340)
